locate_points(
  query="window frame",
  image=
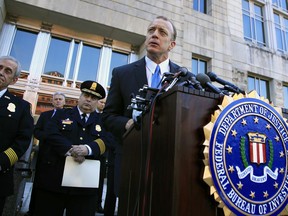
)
(254, 19)
(257, 84)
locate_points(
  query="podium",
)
(171, 184)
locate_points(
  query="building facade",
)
(61, 43)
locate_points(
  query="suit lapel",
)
(139, 73)
(76, 115)
(91, 118)
(173, 67)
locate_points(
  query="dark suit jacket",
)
(16, 128)
(63, 131)
(39, 130)
(125, 80)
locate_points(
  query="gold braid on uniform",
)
(11, 154)
(101, 145)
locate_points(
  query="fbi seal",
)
(246, 146)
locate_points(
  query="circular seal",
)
(248, 158)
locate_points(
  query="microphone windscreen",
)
(212, 76)
(183, 71)
(203, 79)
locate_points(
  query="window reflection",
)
(89, 63)
(21, 50)
(57, 57)
(118, 59)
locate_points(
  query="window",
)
(117, 59)
(199, 66)
(260, 85)
(281, 29)
(200, 5)
(88, 63)
(253, 22)
(23, 51)
(281, 4)
(285, 91)
(57, 57)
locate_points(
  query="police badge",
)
(246, 157)
(11, 107)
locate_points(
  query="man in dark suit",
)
(75, 132)
(58, 102)
(128, 79)
(99, 109)
(16, 126)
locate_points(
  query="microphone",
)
(182, 71)
(206, 82)
(227, 85)
(190, 81)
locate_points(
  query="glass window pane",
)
(276, 19)
(246, 26)
(279, 39)
(199, 66)
(89, 63)
(245, 5)
(260, 31)
(263, 88)
(203, 6)
(284, 4)
(202, 67)
(57, 57)
(258, 10)
(194, 66)
(117, 59)
(24, 51)
(251, 84)
(286, 23)
(285, 89)
(195, 5)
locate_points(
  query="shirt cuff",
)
(89, 149)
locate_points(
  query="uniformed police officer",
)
(77, 132)
(16, 126)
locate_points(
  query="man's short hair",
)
(173, 26)
(11, 58)
(59, 93)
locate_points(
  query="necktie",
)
(83, 118)
(53, 113)
(156, 78)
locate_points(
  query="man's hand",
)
(79, 159)
(129, 124)
(79, 150)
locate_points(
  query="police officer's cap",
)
(93, 88)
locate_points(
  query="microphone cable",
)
(149, 145)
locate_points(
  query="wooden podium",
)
(173, 185)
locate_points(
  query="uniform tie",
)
(156, 77)
(83, 118)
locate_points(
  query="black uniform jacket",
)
(63, 131)
(16, 128)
